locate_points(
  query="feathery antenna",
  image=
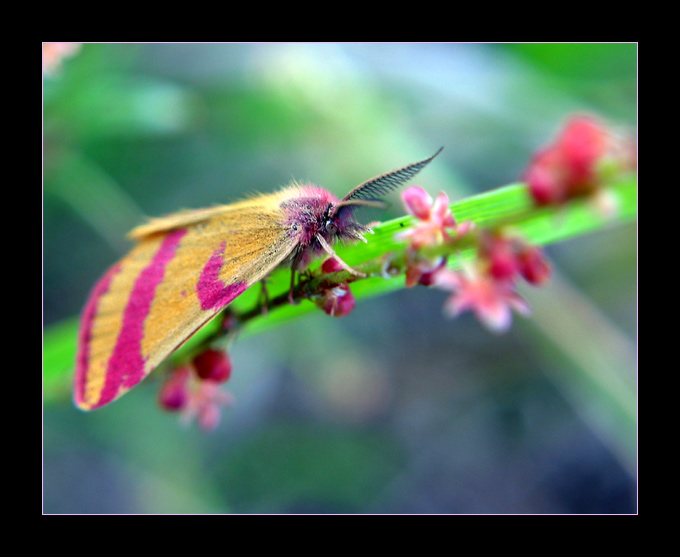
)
(381, 185)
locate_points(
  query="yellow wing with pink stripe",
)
(184, 269)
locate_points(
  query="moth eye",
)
(331, 227)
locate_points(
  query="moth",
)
(187, 267)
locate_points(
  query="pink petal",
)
(519, 304)
(448, 280)
(441, 214)
(209, 417)
(417, 202)
(497, 317)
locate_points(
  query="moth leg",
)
(293, 266)
(264, 297)
(229, 321)
(330, 251)
(292, 300)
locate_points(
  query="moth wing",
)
(183, 271)
(181, 219)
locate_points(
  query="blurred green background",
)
(392, 409)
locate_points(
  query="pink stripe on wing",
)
(126, 366)
(212, 292)
(85, 334)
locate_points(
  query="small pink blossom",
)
(491, 300)
(436, 222)
(205, 404)
(193, 398)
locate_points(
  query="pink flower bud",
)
(533, 265)
(503, 261)
(174, 393)
(573, 164)
(545, 185)
(337, 301)
(582, 143)
(331, 265)
(213, 365)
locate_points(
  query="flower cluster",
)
(435, 220)
(194, 390)
(434, 226)
(488, 286)
(580, 162)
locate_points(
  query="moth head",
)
(339, 221)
